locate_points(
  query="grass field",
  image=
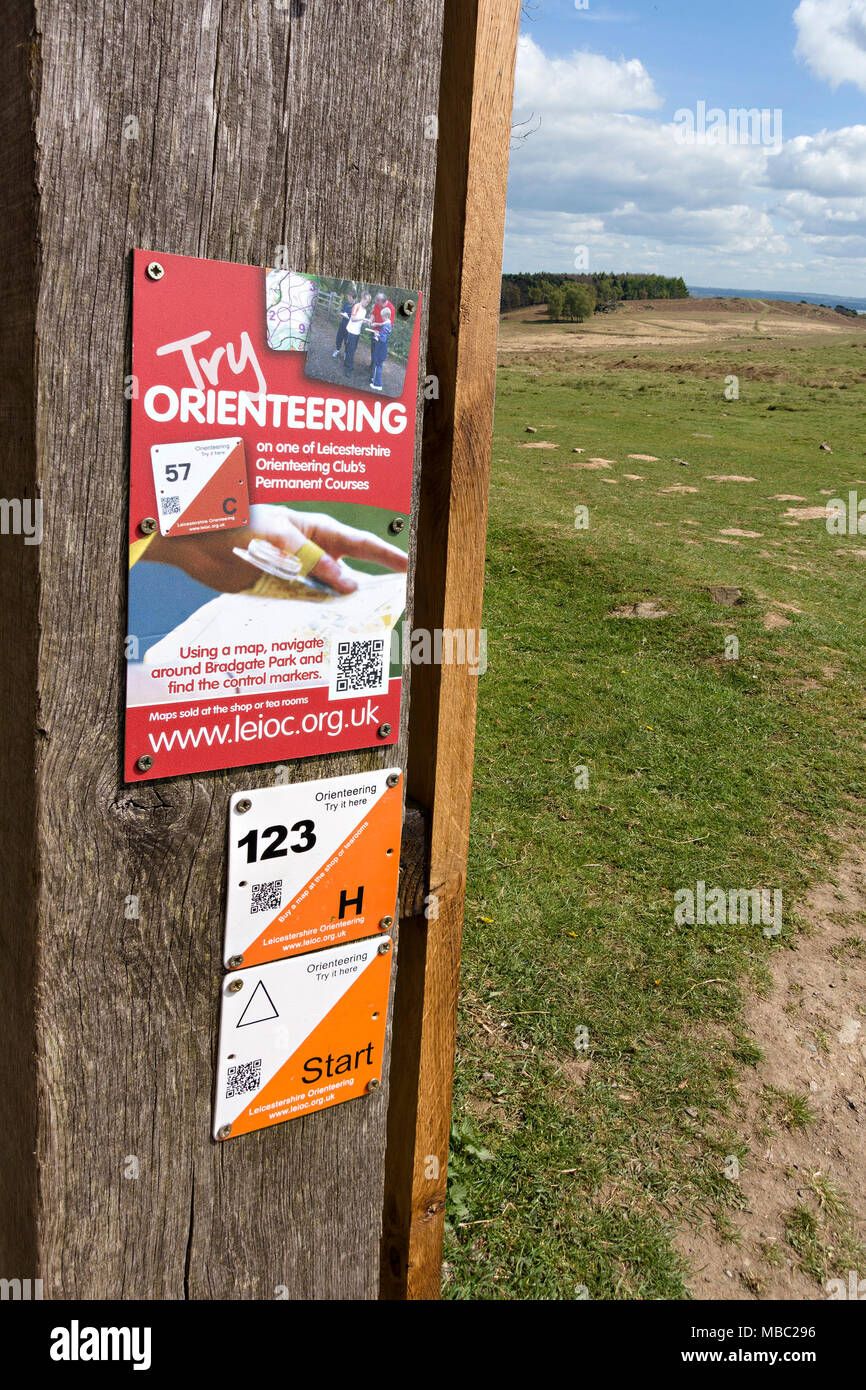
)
(601, 1043)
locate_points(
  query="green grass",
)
(736, 772)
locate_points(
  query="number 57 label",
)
(200, 485)
(312, 865)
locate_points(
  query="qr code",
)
(265, 897)
(247, 1076)
(360, 666)
(171, 506)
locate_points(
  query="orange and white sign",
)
(300, 1035)
(200, 485)
(312, 865)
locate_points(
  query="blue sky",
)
(609, 167)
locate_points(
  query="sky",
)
(611, 168)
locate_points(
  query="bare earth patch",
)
(646, 609)
(593, 465)
(735, 531)
(725, 594)
(679, 487)
(787, 497)
(807, 1028)
(728, 478)
(643, 458)
(774, 621)
(544, 444)
(777, 603)
(809, 513)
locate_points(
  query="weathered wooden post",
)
(228, 132)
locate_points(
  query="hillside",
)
(662, 322)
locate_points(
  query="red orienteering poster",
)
(272, 441)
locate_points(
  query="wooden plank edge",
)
(476, 91)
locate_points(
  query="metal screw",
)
(144, 763)
(235, 962)
(224, 1131)
(148, 525)
(234, 986)
(407, 308)
(242, 806)
(386, 922)
(392, 779)
(397, 525)
(383, 730)
(155, 271)
(373, 1084)
(384, 946)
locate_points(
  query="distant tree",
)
(578, 302)
(609, 287)
(555, 304)
(510, 297)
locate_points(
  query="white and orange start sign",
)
(300, 1035)
(312, 865)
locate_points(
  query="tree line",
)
(576, 297)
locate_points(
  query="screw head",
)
(144, 763)
(234, 986)
(155, 271)
(242, 806)
(373, 1084)
(224, 1131)
(384, 946)
(407, 308)
(392, 779)
(386, 922)
(397, 525)
(383, 730)
(235, 962)
(148, 525)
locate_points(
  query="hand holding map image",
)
(274, 627)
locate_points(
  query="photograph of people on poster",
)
(360, 334)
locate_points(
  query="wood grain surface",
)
(478, 59)
(260, 126)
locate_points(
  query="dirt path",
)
(811, 1029)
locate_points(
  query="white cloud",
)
(599, 173)
(824, 221)
(833, 162)
(831, 39)
(581, 82)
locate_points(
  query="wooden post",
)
(475, 102)
(223, 131)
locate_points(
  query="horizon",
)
(633, 141)
(774, 289)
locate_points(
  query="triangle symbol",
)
(264, 1007)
